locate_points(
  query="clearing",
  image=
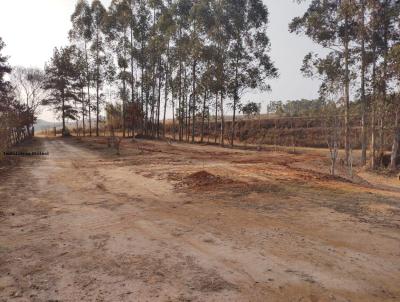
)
(179, 222)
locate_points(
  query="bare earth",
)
(179, 222)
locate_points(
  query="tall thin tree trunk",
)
(153, 100)
(166, 89)
(173, 117)
(83, 112)
(373, 118)
(203, 115)
(194, 101)
(88, 88)
(235, 102)
(363, 98)
(144, 125)
(208, 124)
(216, 118)
(180, 101)
(347, 96)
(188, 117)
(63, 114)
(396, 141)
(98, 107)
(132, 83)
(159, 98)
(146, 118)
(97, 84)
(124, 105)
(222, 119)
(383, 107)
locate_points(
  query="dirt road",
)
(192, 223)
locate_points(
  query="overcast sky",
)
(32, 28)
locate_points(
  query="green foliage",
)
(298, 108)
(250, 109)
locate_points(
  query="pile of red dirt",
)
(314, 175)
(204, 179)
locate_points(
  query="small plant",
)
(114, 141)
(117, 143)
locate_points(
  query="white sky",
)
(32, 28)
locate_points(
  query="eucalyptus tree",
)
(382, 33)
(219, 39)
(98, 51)
(181, 39)
(385, 23)
(79, 61)
(167, 29)
(374, 42)
(134, 15)
(141, 34)
(82, 32)
(394, 71)
(362, 37)
(195, 51)
(117, 30)
(155, 49)
(332, 24)
(133, 8)
(249, 63)
(207, 84)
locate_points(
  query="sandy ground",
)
(176, 222)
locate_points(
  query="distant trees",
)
(298, 108)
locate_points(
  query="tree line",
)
(196, 57)
(136, 60)
(361, 38)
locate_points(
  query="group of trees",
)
(297, 108)
(196, 57)
(20, 95)
(363, 55)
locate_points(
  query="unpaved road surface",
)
(192, 223)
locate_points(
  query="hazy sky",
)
(32, 28)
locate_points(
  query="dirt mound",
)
(308, 174)
(210, 282)
(204, 179)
